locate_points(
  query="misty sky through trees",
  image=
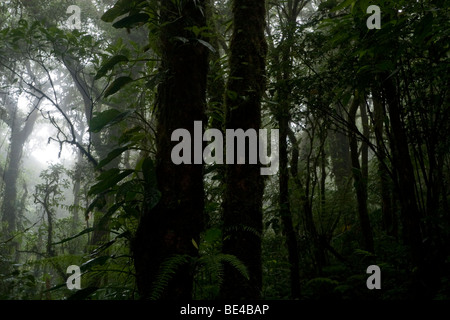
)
(91, 93)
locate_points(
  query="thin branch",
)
(40, 95)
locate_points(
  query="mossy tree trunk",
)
(19, 135)
(169, 228)
(244, 184)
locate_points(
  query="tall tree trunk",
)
(364, 144)
(19, 135)
(285, 208)
(244, 185)
(410, 215)
(339, 150)
(318, 244)
(77, 191)
(50, 216)
(216, 82)
(360, 181)
(170, 227)
(283, 118)
(389, 219)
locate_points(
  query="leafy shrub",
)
(321, 289)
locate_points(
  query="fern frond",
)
(236, 263)
(243, 228)
(213, 264)
(166, 272)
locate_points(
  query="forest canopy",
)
(350, 105)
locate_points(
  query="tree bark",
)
(18, 138)
(285, 210)
(339, 151)
(244, 185)
(283, 117)
(360, 181)
(389, 219)
(318, 241)
(410, 214)
(170, 227)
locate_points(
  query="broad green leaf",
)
(109, 179)
(105, 218)
(108, 65)
(127, 191)
(100, 120)
(99, 202)
(87, 230)
(107, 118)
(128, 136)
(94, 262)
(109, 173)
(132, 21)
(103, 247)
(111, 156)
(120, 8)
(207, 44)
(117, 85)
(112, 14)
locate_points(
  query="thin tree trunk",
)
(76, 191)
(410, 214)
(285, 210)
(283, 117)
(318, 244)
(364, 145)
(360, 181)
(389, 219)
